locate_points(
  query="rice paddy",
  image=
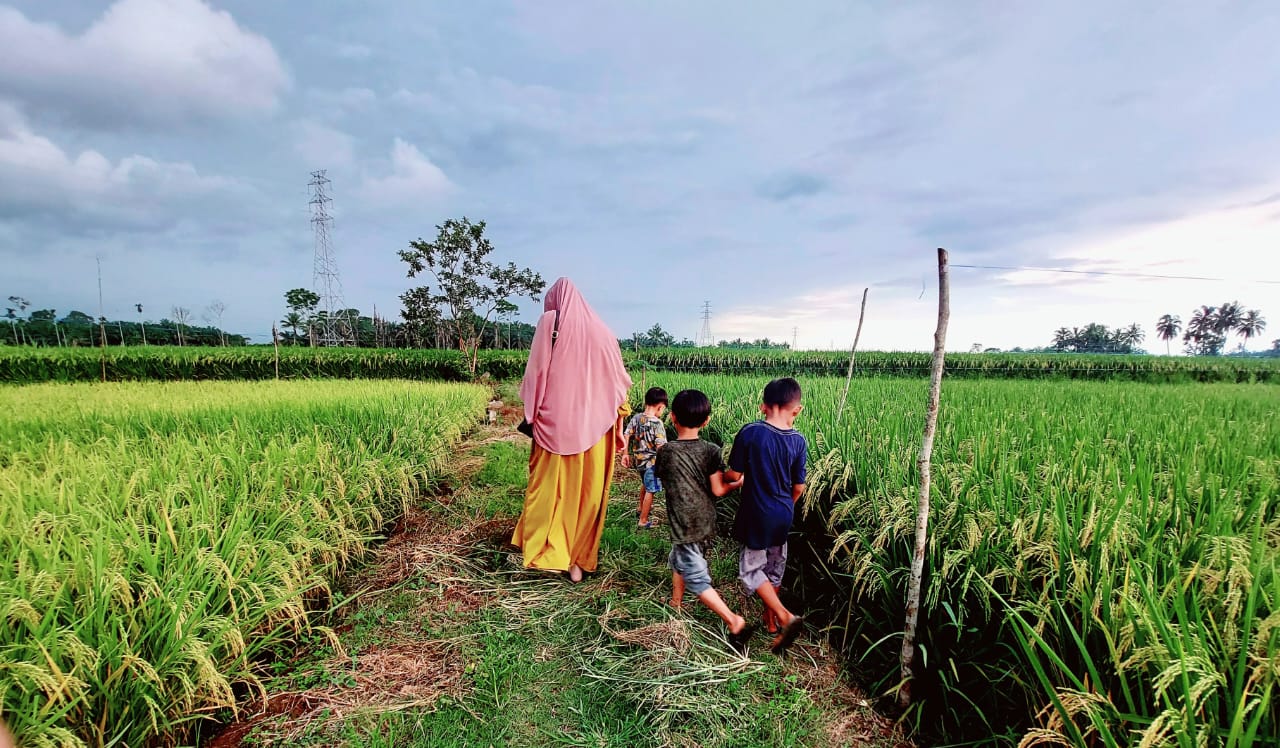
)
(161, 542)
(1103, 566)
(1103, 555)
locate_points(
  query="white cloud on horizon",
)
(143, 62)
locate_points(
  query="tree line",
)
(43, 327)
(1206, 334)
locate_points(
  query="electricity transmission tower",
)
(704, 335)
(334, 326)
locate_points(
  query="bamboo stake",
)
(852, 353)
(275, 339)
(926, 454)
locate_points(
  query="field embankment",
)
(159, 542)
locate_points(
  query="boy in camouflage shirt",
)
(692, 470)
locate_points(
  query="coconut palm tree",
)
(294, 320)
(1202, 333)
(1228, 317)
(1168, 327)
(1250, 325)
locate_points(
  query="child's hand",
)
(626, 461)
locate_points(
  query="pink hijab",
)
(572, 390)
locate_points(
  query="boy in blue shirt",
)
(769, 456)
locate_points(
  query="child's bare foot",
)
(739, 634)
(770, 621)
(678, 605)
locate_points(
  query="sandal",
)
(790, 633)
(738, 641)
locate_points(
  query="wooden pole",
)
(926, 454)
(852, 353)
(275, 340)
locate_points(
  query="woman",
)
(575, 397)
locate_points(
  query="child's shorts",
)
(686, 559)
(650, 480)
(755, 567)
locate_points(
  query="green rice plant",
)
(165, 363)
(160, 541)
(1107, 553)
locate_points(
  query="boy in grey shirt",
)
(692, 473)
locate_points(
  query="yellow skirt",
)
(564, 506)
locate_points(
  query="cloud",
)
(782, 187)
(143, 62)
(40, 181)
(323, 147)
(413, 179)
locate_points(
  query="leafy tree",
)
(1168, 327)
(469, 288)
(304, 303)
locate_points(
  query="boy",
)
(693, 472)
(643, 436)
(769, 456)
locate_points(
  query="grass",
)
(545, 663)
(159, 542)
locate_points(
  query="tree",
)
(1168, 327)
(304, 303)
(1227, 317)
(1202, 336)
(142, 322)
(293, 320)
(657, 337)
(214, 312)
(19, 306)
(1251, 325)
(182, 316)
(468, 286)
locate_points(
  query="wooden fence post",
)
(852, 353)
(922, 509)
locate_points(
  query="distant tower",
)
(794, 332)
(335, 329)
(704, 335)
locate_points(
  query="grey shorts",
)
(757, 567)
(686, 559)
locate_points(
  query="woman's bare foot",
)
(575, 573)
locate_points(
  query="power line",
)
(1116, 273)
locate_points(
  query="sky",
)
(771, 159)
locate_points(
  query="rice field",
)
(159, 542)
(26, 365)
(1104, 558)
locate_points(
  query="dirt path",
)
(448, 641)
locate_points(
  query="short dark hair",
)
(691, 408)
(655, 396)
(782, 392)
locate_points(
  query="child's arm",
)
(721, 485)
(733, 476)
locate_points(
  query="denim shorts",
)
(686, 559)
(650, 480)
